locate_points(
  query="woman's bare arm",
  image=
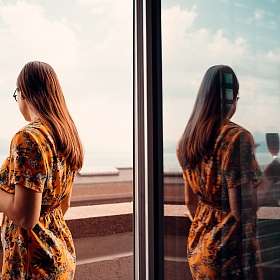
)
(190, 200)
(15, 206)
(263, 190)
(65, 204)
(255, 195)
(235, 202)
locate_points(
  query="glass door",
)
(243, 35)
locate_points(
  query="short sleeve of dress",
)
(4, 176)
(240, 166)
(27, 165)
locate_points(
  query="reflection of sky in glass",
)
(198, 34)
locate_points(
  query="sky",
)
(89, 44)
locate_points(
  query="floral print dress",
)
(47, 250)
(218, 245)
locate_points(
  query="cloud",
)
(27, 34)
(259, 14)
(239, 5)
(273, 56)
(188, 48)
(106, 76)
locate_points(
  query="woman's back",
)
(231, 163)
(47, 250)
(215, 241)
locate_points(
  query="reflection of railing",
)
(177, 226)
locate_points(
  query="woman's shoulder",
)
(33, 131)
(234, 132)
(235, 129)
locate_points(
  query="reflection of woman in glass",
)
(36, 181)
(220, 171)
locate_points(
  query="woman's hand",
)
(190, 200)
(264, 191)
(235, 202)
(65, 203)
(189, 212)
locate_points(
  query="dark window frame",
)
(148, 141)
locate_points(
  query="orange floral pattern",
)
(47, 251)
(218, 245)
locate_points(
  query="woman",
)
(221, 173)
(36, 181)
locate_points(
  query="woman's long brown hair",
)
(39, 85)
(201, 130)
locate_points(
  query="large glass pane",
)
(243, 35)
(89, 44)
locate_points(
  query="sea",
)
(107, 162)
